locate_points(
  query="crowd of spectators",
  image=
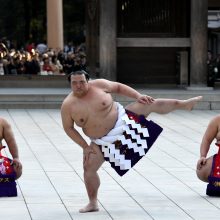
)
(41, 60)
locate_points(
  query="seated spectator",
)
(68, 65)
(41, 48)
(1, 67)
(5, 66)
(34, 65)
(21, 66)
(30, 47)
(47, 66)
(56, 66)
(80, 62)
(12, 66)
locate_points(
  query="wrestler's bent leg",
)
(205, 170)
(91, 178)
(163, 106)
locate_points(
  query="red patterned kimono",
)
(7, 177)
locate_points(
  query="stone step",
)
(34, 81)
(52, 97)
(30, 105)
(32, 97)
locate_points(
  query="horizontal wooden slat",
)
(153, 42)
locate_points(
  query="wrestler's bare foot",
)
(91, 207)
(190, 103)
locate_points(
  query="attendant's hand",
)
(145, 99)
(86, 153)
(17, 164)
(17, 167)
(201, 162)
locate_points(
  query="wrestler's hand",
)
(145, 99)
(86, 153)
(201, 162)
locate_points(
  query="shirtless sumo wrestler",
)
(91, 107)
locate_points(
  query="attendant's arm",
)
(11, 143)
(122, 89)
(208, 137)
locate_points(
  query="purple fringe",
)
(8, 185)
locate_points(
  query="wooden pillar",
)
(92, 36)
(55, 24)
(184, 68)
(107, 39)
(198, 59)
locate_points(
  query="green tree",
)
(24, 21)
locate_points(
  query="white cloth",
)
(116, 134)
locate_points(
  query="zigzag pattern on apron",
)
(127, 142)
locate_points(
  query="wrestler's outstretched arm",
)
(122, 89)
(145, 104)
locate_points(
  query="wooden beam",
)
(153, 42)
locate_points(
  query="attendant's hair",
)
(79, 72)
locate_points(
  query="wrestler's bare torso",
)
(2, 125)
(95, 112)
(212, 132)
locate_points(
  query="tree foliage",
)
(24, 21)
